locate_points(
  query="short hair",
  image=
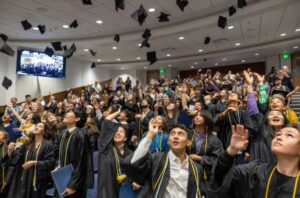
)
(27, 96)
(183, 127)
(293, 125)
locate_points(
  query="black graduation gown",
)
(146, 172)
(108, 185)
(250, 180)
(141, 126)
(3, 171)
(214, 149)
(233, 118)
(22, 180)
(80, 156)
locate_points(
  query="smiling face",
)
(178, 140)
(198, 120)
(287, 142)
(277, 104)
(120, 136)
(276, 119)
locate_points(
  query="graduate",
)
(31, 163)
(3, 174)
(167, 174)
(257, 179)
(74, 149)
(112, 148)
(205, 146)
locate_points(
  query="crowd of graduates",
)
(211, 135)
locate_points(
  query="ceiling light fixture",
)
(86, 50)
(170, 65)
(296, 47)
(200, 50)
(99, 21)
(224, 59)
(138, 58)
(237, 44)
(114, 48)
(230, 27)
(181, 38)
(145, 67)
(151, 10)
(139, 44)
(192, 67)
(216, 64)
(118, 59)
(283, 34)
(243, 61)
(99, 60)
(65, 26)
(168, 55)
(35, 28)
(256, 54)
(297, 30)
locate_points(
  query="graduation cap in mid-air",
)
(4, 37)
(242, 3)
(117, 38)
(7, 50)
(93, 65)
(6, 83)
(49, 51)
(151, 57)
(163, 17)
(222, 22)
(26, 25)
(145, 43)
(147, 34)
(57, 46)
(74, 24)
(42, 28)
(87, 2)
(69, 52)
(207, 40)
(119, 4)
(182, 4)
(93, 53)
(140, 15)
(232, 11)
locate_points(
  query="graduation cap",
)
(140, 15)
(74, 24)
(6, 83)
(117, 38)
(65, 48)
(49, 51)
(182, 4)
(93, 52)
(147, 34)
(151, 57)
(242, 3)
(207, 40)
(222, 22)
(145, 43)
(4, 37)
(232, 10)
(163, 17)
(42, 28)
(57, 46)
(93, 65)
(120, 4)
(26, 25)
(7, 50)
(69, 52)
(87, 2)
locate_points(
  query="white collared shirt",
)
(70, 130)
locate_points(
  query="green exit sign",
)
(285, 56)
(161, 71)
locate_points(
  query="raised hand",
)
(260, 78)
(248, 78)
(239, 139)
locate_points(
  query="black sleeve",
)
(108, 130)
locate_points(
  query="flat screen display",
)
(36, 63)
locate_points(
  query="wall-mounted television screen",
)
(36, 63)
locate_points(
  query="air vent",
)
(168, 49)
(220, 41)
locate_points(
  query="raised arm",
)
(19, 118)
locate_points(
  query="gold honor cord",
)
(269, 183)
(160, 142)
(195, 176)
(67, 147)
(3, 172)
(36, 159)
(120, 177)
(162, 172)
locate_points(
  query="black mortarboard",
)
(69, 52)
(4, 37)
(207, 40)
(232, 10)
(6, 83)
(145, 44)
(87, 2)
(93, 65)
(7, 50)
(57, 46)
(182, 4)
(74, 24)
(163, 17)
(140, 15)
(242, 3)
(151, 57)
(65, 48)
(147, 34)
(120, 4)
(93, 52)
(222, 22)
(26, 25)
(42, 28)
(49, 51)
(117, 38)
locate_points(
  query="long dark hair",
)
(31, 136)
(208, 121)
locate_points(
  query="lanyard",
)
(67, 147)
(120, 176)
(269, 182)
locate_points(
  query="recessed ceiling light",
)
(99, 21)
(237, 44)
(151, 10)
(181, 38)
(145, 67)
(35, 28)
(139, 44)
(230, 27)
(192, 67)
(138, 58)
(256, 54)
(168, 55)
(122, 68)
(170, 65)
(243, 61)
(114, 48)
(200, 50)
(65, 26)
(296, 47)
(86, 50)
(224, 59)
(216, 64)
(99, 60)
(297, 30)
(195, 63)
(118, 59)
(283, 34)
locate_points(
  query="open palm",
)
(239, 138)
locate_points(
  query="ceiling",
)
(257, 27)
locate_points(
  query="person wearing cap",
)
(166, 174)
